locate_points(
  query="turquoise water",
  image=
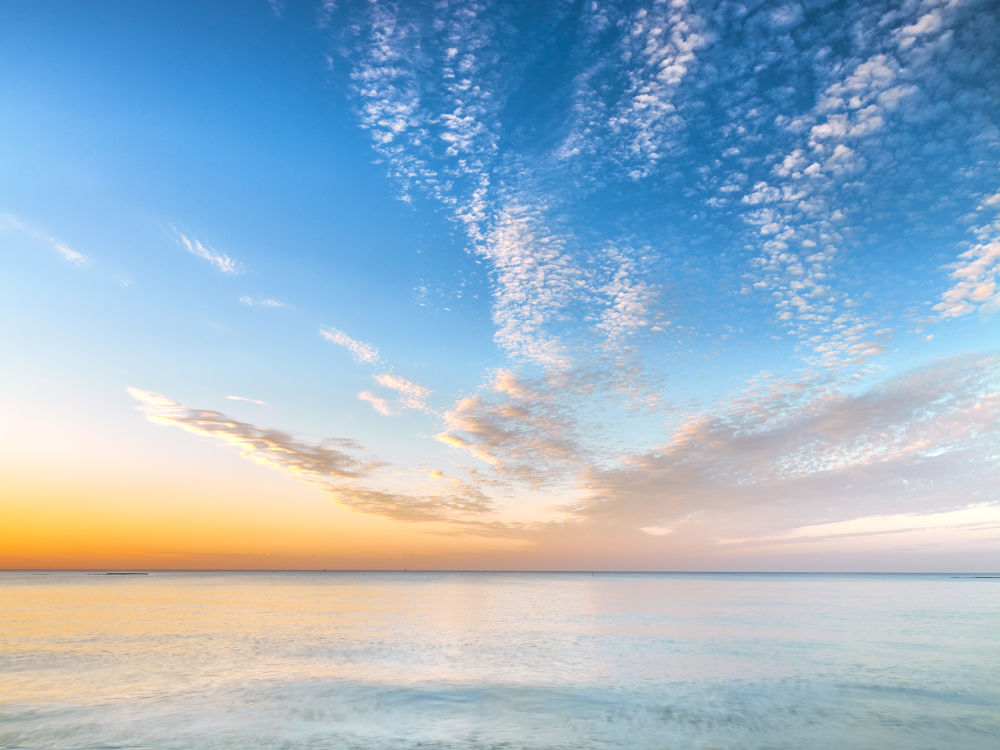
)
(498, 660)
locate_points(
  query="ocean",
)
(379, 660)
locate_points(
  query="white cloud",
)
(261, 302)
(248, 400)
(638, 124)
(10, 223)
(433, 90)
(362, 352)
(220, 260)
(631, 300)
(69, 253)
(411, 395)
(378, 404)
(535, 280)
(977, 271)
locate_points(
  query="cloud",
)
(248, 400)
(10, 223)
(977, 270)
(220, 260)
(535, 281)
(431, 130)
(69, 253)
(856, 171)
(524, 432)
(261, 302)
(271, 448)
(431, 87)
(508, 383)
(791, 455)
(686, 149)
(626, 104)
(378, 404)
(456, 507)
(361, 352)
(411, 395)
(982, 516)
(631, 299)
(334, 465)
(656, 530)
(671, 95)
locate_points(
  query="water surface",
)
(498, 660)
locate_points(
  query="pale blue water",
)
(498, 660)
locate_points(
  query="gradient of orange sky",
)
(270, 522)
(91, 484)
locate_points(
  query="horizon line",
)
(502, 570)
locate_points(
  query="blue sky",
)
(712, 283)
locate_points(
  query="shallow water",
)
(498, 660)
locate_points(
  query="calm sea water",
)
(498, 660)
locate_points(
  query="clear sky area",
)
(644, 285)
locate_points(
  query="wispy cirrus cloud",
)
(977, 517)
(522, 431)
(536, 280)
(248, 400)
(835, 181)
(977, 269)
(437, 124)
(361, 351)
(800, 170)
(925, 441)
(271, 448)
(261, 302)
(379, 404)
(10, 223)
(220, 260)
(411, 395)
(688, 151)
(69, 254)
(339, 466)
(625, 105)
(632, 297)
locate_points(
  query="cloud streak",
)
(261, 302)
(411, 395)
(248, 400)
(9, 223)
(378, 403)
(977, 270)
(337, 465)
(519, 429)
(361, 352)
(221, 261)
(271, 448)
(925, 441)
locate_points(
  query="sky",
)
(584, 285)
